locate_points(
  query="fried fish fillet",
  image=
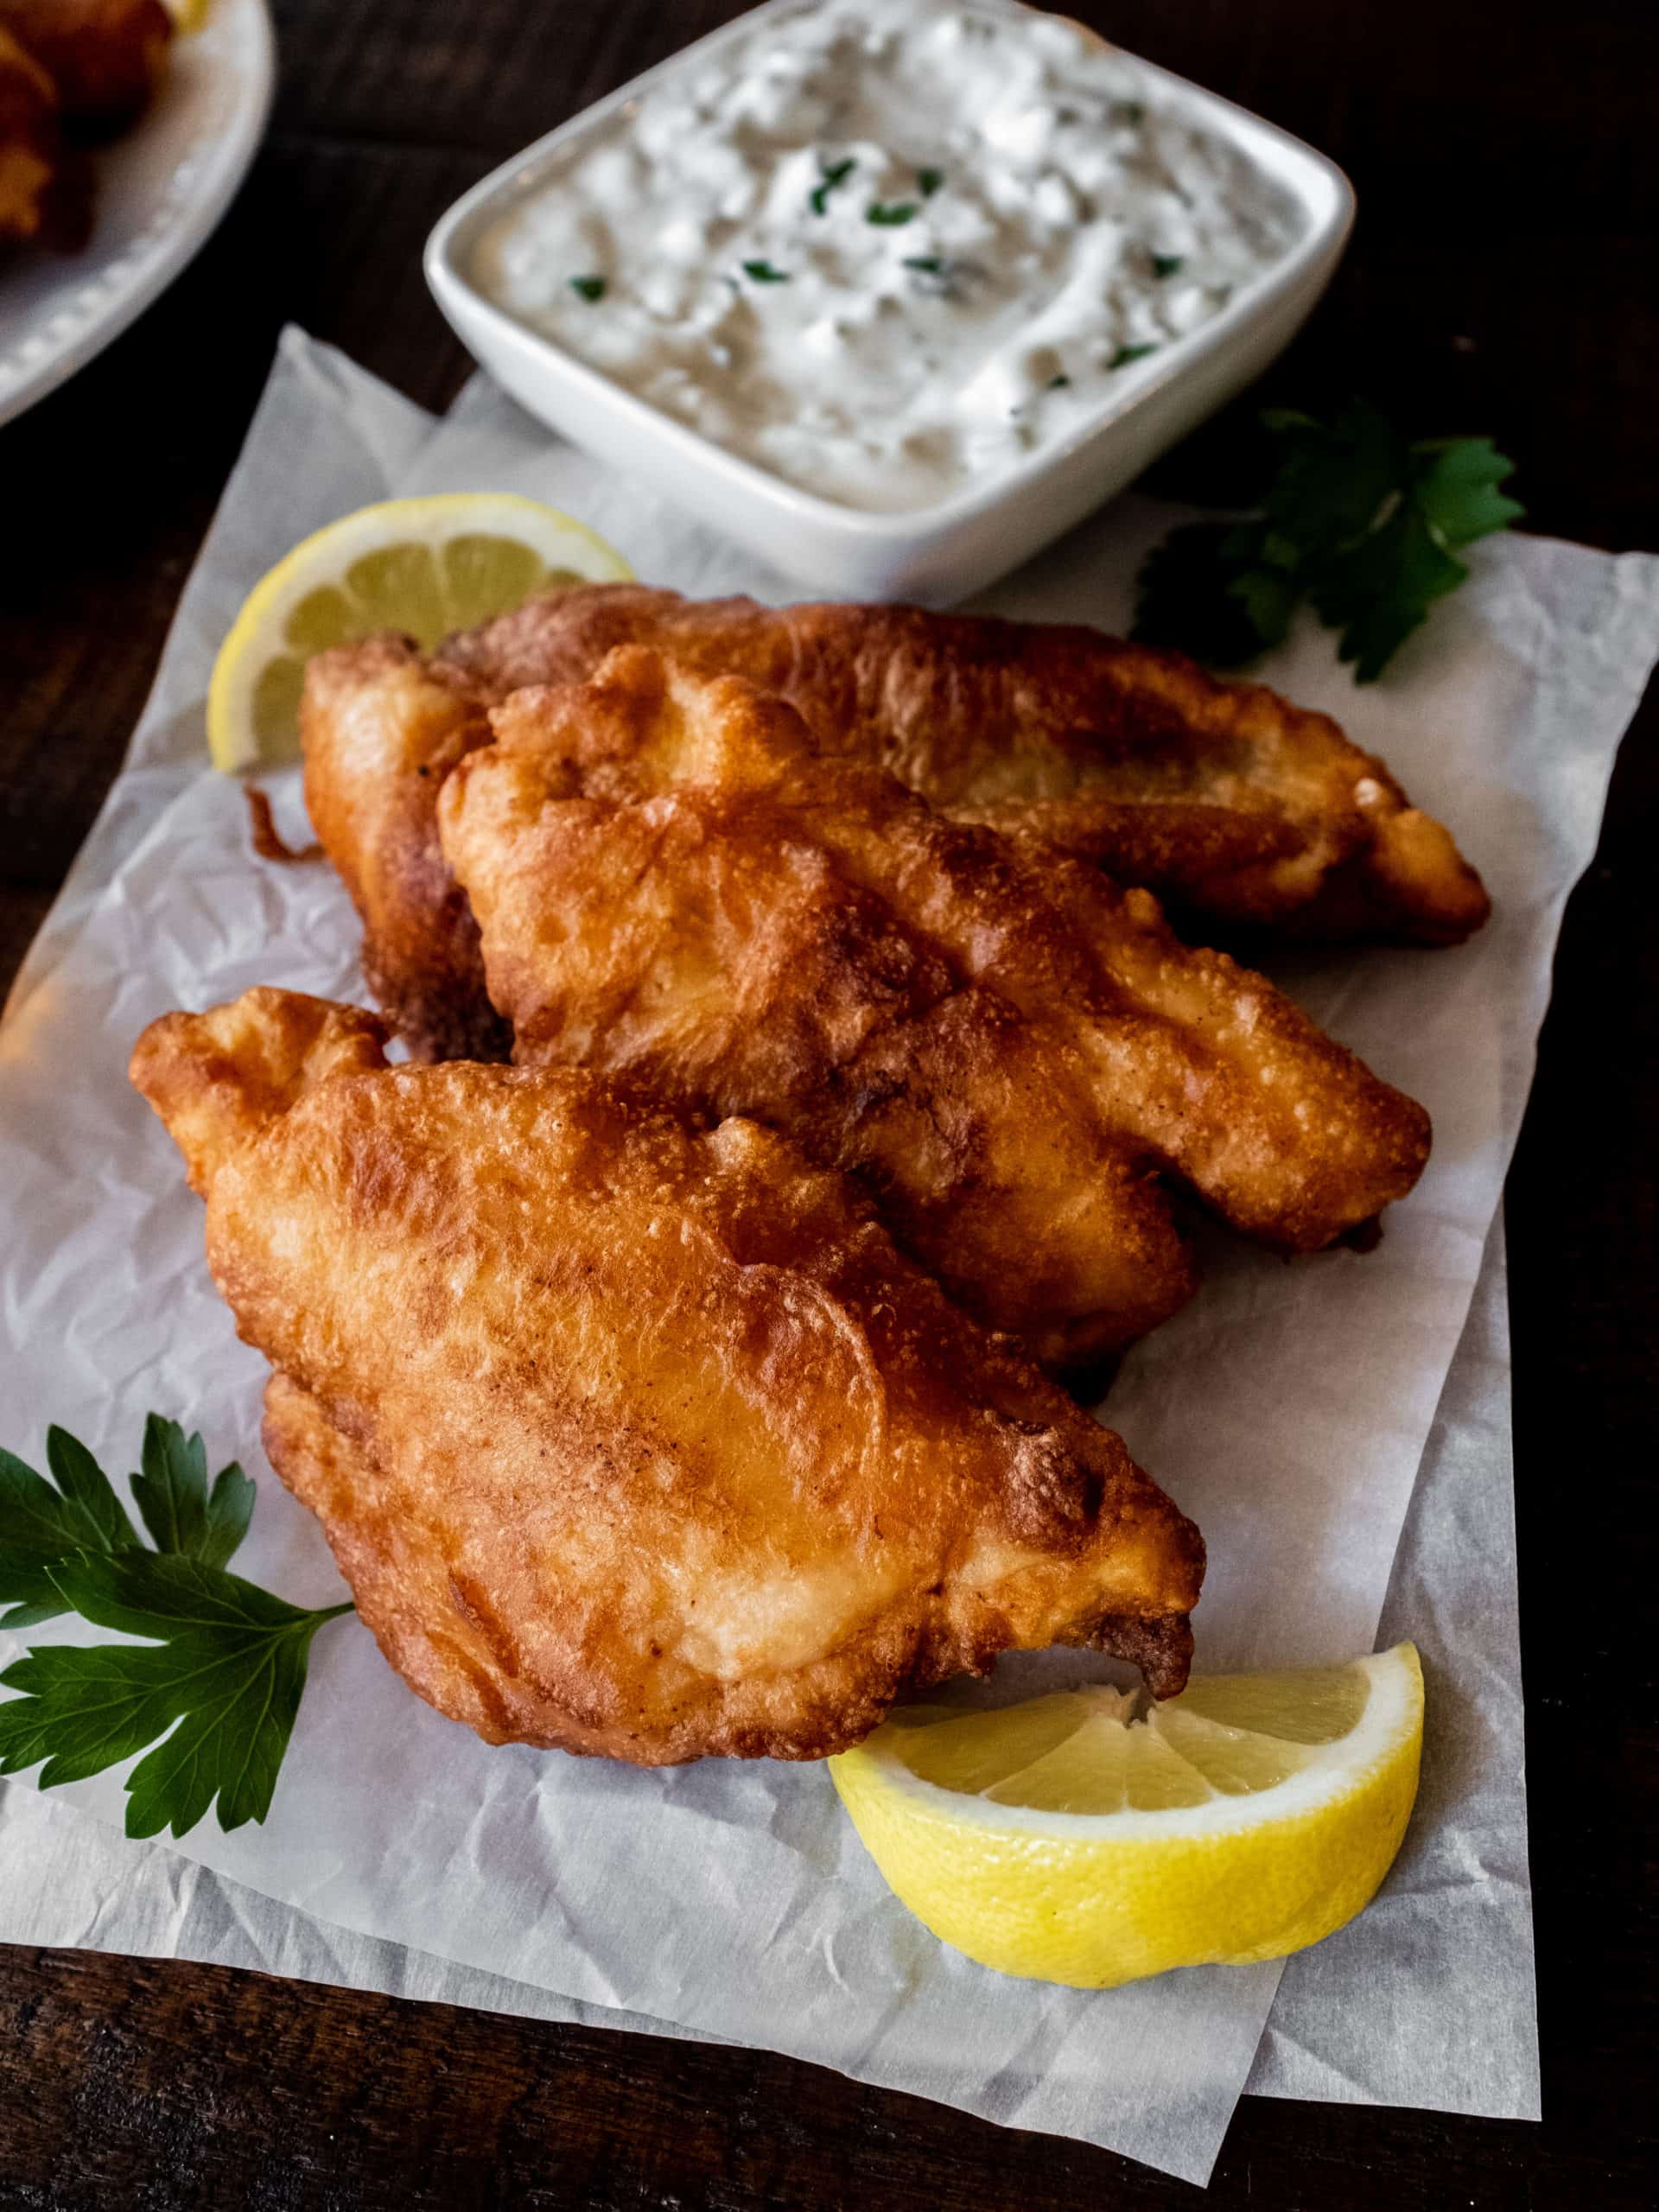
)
(1239, 810)
(381, 728)
(45, 187)
(107, 57)
(1017, 1058)
(633, 1437)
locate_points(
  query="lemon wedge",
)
(1068, 1840)
(425, 566)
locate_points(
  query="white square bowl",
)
(940, 553)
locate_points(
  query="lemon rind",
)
(423, 519)
(1392, 1716)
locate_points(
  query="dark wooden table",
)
(1501, 280)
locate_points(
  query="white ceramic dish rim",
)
(240, 39)
(1300, 169)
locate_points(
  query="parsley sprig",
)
(1358, 522)
(214, 1690)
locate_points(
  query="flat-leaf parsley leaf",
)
(1356, 521)
(180, 1511)
(39, 1525)
(221, 1674)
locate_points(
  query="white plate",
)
(162, 189)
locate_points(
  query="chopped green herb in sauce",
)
(589, 288)
(829, 175)
(1125, 354)
(961, 216)
(1056, 383)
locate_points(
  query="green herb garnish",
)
(928, 181)
(1131, 111)
(891, 211)
(1356, 521)
(222, 1672)
(1125, 354)
(829, 175)
(930, 264)
(764, 273)
(1056, 383)
(1167, 265)
(589, 288)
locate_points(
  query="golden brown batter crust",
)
(1018, 1059)
(1235, 807)
(631, 1436)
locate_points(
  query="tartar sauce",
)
(886, 247)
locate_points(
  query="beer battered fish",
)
(632, 1436)
(1017, 1059)
(381, 728)
(1239, 810)
(107, 58)
(44, 186)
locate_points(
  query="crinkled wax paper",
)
(1288, 1410)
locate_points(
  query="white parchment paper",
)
(1287, 1410)
(1427, 2000)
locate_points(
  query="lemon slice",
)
(1068, 1840)
(425, 566)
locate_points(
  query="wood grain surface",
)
(1502, 280)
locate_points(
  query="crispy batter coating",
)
(107, 57)
(1018, 1059)
(381, 728)
(45, 188)
(631, 1436)
(1237, 808)
(1243, 813)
